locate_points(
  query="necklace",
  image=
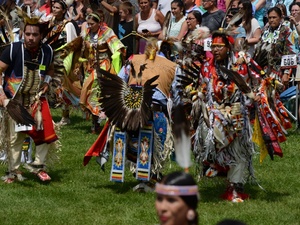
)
(271, 36)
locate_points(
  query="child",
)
(126, 26)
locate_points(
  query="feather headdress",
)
(27, 17)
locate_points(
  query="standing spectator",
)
(32, 4)
(164, 6)
(77, 11)
(149, 23)
(251, 25)
(178, 26)
(46, 8)
(294, 17)
(222, 5)
(213, 17)
(260, 11)
(237, 28)
(126, 27)
(111, 13)
(190, 5)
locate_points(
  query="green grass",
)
(84, 195)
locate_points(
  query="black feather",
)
(237, 79)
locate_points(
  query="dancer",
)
(65, 86)
(220, 114)
(142, 114)
(28, 70)
(104, 50)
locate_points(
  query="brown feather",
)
(115, 96)
(18, 113)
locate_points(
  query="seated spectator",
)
(251, 25)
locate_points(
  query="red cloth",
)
(98, 145)
(47, 135)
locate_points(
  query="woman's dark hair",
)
(62, 3)
(282, 7)
(180, 5)
(234, 11)
(294, 3)
(247, 7)
(197, 15)
(275, 9)
(183, 179)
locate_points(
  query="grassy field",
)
(84, 195)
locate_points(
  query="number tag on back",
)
(288, 61)
(207, 44)
(21, 127)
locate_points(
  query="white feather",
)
(183, 150)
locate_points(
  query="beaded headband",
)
(218, 40)
(173, 190)
(95, 16)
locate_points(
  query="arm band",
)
(47, 79)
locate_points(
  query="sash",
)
(145, 146)
(118, 159)
(47, 135)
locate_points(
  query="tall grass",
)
(84, 195)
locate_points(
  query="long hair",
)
(184, 179)
(180, 4)
(248, 16)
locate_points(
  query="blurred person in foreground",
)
(177, 198)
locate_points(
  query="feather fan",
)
(237, 79)
(127, 107)
(5, 13)
(182, 137)
(18, 113)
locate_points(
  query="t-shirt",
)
(213, 20)
(241, 32)
(164, 6)
(125, 28)
(254, 27)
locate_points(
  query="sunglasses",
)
(229, 16)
